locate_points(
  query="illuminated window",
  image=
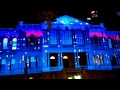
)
(5, 43)
(66, 37)
(98, 59)
(32, 59)
(53, 37)
(33, 62)
(13, 64)
(13, 61)
(3, 64)
(3, 61)
(79, 37)
(14, 44)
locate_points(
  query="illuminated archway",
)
(5, 43)
(3, 65)
(14, 44)
(13, 64)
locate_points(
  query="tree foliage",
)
(48, 17)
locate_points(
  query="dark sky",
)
(11, 12)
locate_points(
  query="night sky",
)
(11, 12)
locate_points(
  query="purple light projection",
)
(36, 33)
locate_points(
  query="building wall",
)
(38, 50)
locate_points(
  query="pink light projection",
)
(36, 33)
(104, 35)
(117, 38)
(99, 34)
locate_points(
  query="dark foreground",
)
(66, 73)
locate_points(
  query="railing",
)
(115, 67)
(73, 69)
(20, 71)
(34, 70)
(11, 72)
(55, 69)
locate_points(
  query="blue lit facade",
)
(71, 43)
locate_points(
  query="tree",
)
(48, 17)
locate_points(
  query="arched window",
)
(3, 64)
(14, 44)
(13, 65)
(5, 43)
(3, 61)
(13, 61)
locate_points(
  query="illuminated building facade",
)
(71, 43)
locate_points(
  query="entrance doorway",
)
(68, 60)
(53, 59)
(82, 59)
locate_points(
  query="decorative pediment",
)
(68, 20)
